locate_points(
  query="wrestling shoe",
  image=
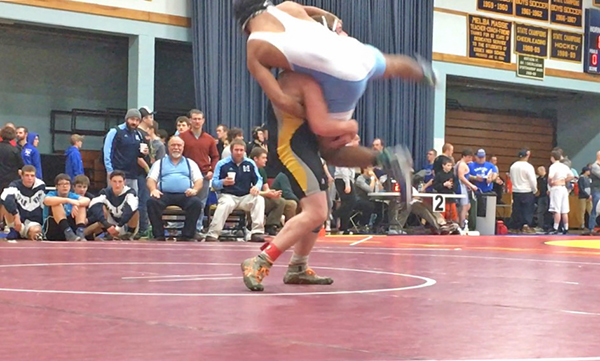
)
(429, 75)
(255, 270)
(303, 275)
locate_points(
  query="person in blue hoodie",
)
(30, 154)
(74, 164)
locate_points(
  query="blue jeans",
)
(203, 196)
(143, 196)
(593, 215)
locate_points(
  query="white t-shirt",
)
(559, 171)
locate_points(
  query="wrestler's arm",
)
(317, 113)
(315, 11)
(271, 87)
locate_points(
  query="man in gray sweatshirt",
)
(595, 178)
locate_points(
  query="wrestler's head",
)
(245, 10)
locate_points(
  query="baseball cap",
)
(145, 111)
(133, 113)
(523, 153)
(480, 153)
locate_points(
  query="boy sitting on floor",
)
(115, 210)
(64, 212)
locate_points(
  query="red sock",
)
(272, 253)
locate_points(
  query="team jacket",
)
(120, 207)
(27, 202)
(247, 176)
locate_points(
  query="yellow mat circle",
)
(577, 243)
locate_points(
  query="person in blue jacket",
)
(74, 163)
(30, 154)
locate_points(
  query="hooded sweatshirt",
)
(31, 156)
(73, 164)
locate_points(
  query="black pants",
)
(191, 205)
(522, 209)
(350, 203)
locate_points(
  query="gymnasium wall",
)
(450, 34)
(43, 70)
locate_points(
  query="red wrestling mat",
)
(394, 298)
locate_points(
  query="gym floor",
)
(394, 298)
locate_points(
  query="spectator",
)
(239, 181)
(443, 182)
(344, 183)
(22, 134)
(157, 145)
(447, 153)
(595, 178)
(31, 155)
(377, 145)
(163, 135)
(122, 148)
(274, 204)
(183, 124)
(23, 202)
(498, 183)
(144, 162)
(524, 187)
(175, 180)
(202, 149)
(10, 159)
(221, 138)
(115, 210)
(482, 173)
(74, 163)
(585, 195)
(81, 183)
(12, 142)
(542, 198)
(465, 187)
(559, 175)
(258, 140)
(64, 212)
(428, 176)
(367, 182)
(233, 133)
(282, 183)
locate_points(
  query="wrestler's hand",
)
(339, 142)
(291, 106)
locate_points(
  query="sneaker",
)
(257, 237)
(304, 275)
(271, 230)
(103, 237)
(127, 236)
(80, 234)
(12, 234)
(141, 234)
(528, 230)
(429, 75)
(553, 232)
(70, 236)
(39, 237)
(211, 239)
(255, 270)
